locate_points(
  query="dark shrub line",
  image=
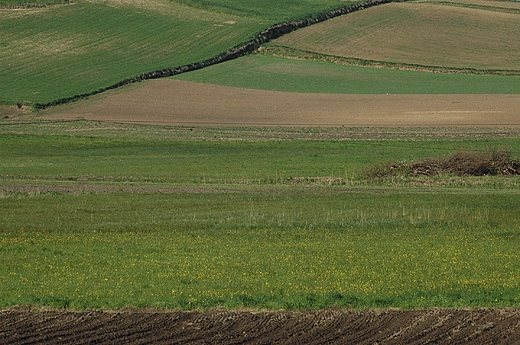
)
(265, 36)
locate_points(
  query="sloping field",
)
(471, 35)
(428, 34)
(54, 52)
(481, 326)
(283, 10)
(171, 102)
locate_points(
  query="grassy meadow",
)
(56, 52)
(104, 215)
(278, 249)
(276, 73)
(107, 216)
(62, 51)
(81, 149)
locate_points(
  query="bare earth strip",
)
(172, 102)
(441, 326)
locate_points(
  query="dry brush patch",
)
(461, 163)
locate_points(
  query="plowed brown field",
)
(172, 102)
(439, 326)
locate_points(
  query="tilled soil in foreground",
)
(331, 326)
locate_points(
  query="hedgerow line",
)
(243, 49)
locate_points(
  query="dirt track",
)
(172, 102)
(441, 326)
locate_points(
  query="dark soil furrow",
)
(373, 326)
(332, 326)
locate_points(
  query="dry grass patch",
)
(165, 7)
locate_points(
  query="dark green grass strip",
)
(291, 53)
(284, 74)
(198, 161)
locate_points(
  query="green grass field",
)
(292, 250)
(55, 52)
(100, 215)
(280, 74)
(161, 156)
(63, 51)
(107, 216)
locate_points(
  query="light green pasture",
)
(107, 216)
(58, 52)
(289, 249)
(194, 161)
(281, 74)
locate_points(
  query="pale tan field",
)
(173, 102)
(431, 34)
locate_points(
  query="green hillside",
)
(392, 48)
(61, 51)
(281, 10)
(56, 52)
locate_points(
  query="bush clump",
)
(461, 163)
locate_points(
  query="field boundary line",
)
(300, 54)
(472, 6)
(243, 49)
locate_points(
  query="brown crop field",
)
(481, 37)
(172, 102)
(441, 326)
